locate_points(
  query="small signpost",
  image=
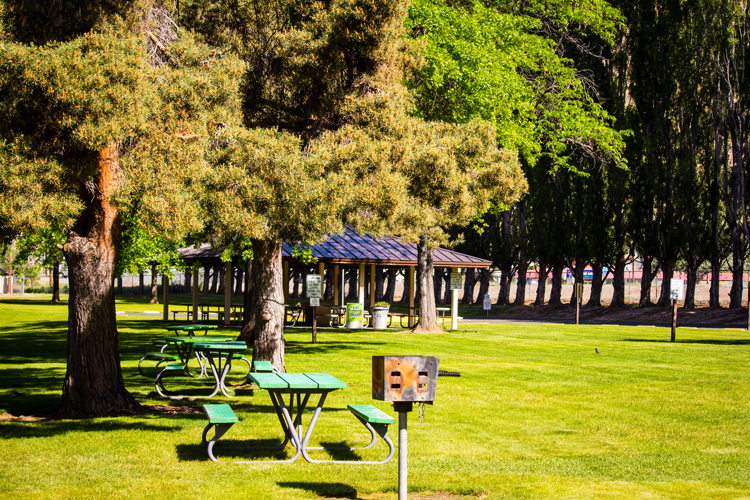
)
(314, 284)
(456, 281)
(487, 304)
(676, 292)
(579, 297)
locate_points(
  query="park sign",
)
(314, 302)
(314, 286)
(487, 302)
(677, 289)
(456, 281)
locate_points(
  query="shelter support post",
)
(361, 284)
(228, 293)
(454, 304)
(196, 277)
(412, 292)
(165, 291)
(336, 286)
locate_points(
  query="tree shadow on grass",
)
(22, 430)
(324, 490)
(689, 341)
(237, 449)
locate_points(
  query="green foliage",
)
(494, 65)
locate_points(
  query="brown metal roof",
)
(351, 248)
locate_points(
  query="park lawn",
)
(536, 413)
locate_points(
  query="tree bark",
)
(390, 289)
(154, 289)
(56, 281)
(215, 280)
(469, 281)
(141, 286)
(692, 280)
(379, 280)
(618, 282)
(206, 279)
(428, 321)
(667, 271)
(246, 297)
(188, 280)
(595, 297)
(240, 279)
(222, 280)
(647, 276)
(541, 287)
(265, 327)
(738, 264)
(484, 285)
(93, 381)
(555, 297)
(328, 294)
(119, 285)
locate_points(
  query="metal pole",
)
(402, 448)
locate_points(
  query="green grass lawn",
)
(536, 413)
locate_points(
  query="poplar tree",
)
(102, 103)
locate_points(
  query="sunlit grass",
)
(536, 413)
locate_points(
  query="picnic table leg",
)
(217, 376)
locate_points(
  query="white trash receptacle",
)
(379, 317)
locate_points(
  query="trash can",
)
(355, 316)
(379, 317)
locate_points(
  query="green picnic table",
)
(301, 386)
(215, 351)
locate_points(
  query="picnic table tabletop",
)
(283, 382)
(192, 340)
(190, 329)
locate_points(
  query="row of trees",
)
(677, 78)
(130, 122)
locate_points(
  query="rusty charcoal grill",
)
(403, 381)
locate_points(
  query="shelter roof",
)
(351, 248)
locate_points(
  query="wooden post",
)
(674, 319)
(361, 284)
(165, 292)
(285, 280)
(412, 292)
(196, 277)
(454, 304)
(336, 286)
(227, 293)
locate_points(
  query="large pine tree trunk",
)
(390, 289)
(428, 321)
(265, 326)
(506, 276)
(93, 380)
(56, 281)
(379, 280)
(154, 288)
(188, 280)
(140, 283)
(246, 297)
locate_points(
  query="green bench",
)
(159, 357)
(222, 418)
